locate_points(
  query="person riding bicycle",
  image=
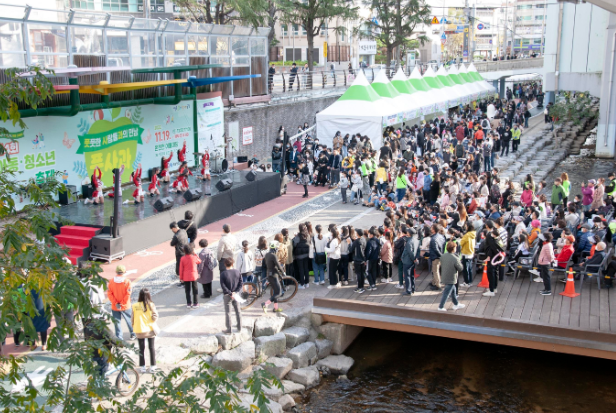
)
(274, 272)
(96, 329)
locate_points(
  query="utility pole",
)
(505, 29)
(513, 31)
(545, 7)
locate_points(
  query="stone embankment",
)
(298, 348)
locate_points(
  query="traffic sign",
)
(480, 26)
(466, 30)
(443, 41)
(443, 21)
(435, 20)
(459, 29)
(443, 36)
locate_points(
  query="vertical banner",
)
(247, 135)
(210, 124)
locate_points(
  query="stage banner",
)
(107, 138)
(210, 125)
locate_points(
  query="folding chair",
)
(526, 263)
(595, 270)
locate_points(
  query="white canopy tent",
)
(401, 99)
(456, 94)
(472, 71)
(470, 81)
(455, 76)
(359, 110)
(438, 91)
(427, 99)
(414, 110)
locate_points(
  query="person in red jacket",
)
(189, 275)
(153, 188)
(164, 168)
(563, 257)
(182, 153)
(119, 290)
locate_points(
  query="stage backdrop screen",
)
(108, 138)
(210, 121)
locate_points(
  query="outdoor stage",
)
(141, 226)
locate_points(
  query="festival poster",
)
(210, 125)
(107, 138)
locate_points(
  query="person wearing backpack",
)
(359, 261)
(206, 268)
(144, 325)
(409, 257)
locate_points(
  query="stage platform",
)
(141, 226)
(516, 316)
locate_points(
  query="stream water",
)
(401, 372)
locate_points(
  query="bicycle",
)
(126, 381)
(251, 291)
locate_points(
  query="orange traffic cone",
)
(570, 286)
(484, 280)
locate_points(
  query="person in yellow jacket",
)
(381, 178)
(467, 246)
(144, 325)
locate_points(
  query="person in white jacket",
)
(246, 263)
(333, 250)
(318, 265)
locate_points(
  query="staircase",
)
(77, 239)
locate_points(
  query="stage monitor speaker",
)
(224, 184)
(192, 194)
(163, 204)
(105, 247)
(87, 191)
(251, 176)
(242, 159)
(69, 196)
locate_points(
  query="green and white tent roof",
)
(455, 76)
(450, 86)
(402, 100)
(471, 81)
(360, 90)
(472, 71)
(401, 85)
(438, 89)
(424, 91)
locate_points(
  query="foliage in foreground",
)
(573, 108)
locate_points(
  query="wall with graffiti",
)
(107, 138)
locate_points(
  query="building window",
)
(539, 17)
(157, 6)
(516, 42)
(537, 41)
(81, 4)
(525, 42)
(525, 7)
(304, 33)
(285, 32)
(295, 30)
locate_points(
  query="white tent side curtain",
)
(327, 128)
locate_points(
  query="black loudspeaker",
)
(192, 194)
(87, 191)
(69, 196)
(224, 184)
(251, 176)
(163, 204)
(105, 247)
(242, 159)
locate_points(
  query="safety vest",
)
(364, 169)
(614, 191)
(401, 182)
(515, 134)
(372, 165)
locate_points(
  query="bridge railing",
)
(515, 64)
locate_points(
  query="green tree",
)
(31, 261)
(314, 15)
(21, 90)
(248, 12)
(394, 24)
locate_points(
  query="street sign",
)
(459, 29)
(466, 30)
(443, 21)
(480, 26)
(435, 20)
(443, 36)
(443, 41)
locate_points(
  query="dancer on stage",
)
(153, 188)
(111, 193)
(205, 166)
(182, 153)
(97, 184)
(181, 182)
(164, 166)
(184, 168)
(138, 192)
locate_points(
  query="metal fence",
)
(514, 64)
(59, 38)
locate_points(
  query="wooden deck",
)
(517, 315)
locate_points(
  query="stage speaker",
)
(224, 184)
(87, 191)
(162, 204)
(69, 196)
(193, 194)
(242, 159)
(107, 246)
(251, 176)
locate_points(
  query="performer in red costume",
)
(138, 192)
(181, 182)
(153, 187)
(164, 166)
(205, 166)
(184, 168)
(97, 183)
(182, 153)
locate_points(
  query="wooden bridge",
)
(516, 316)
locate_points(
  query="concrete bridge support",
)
(606, 129)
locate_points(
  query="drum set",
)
(218, 163)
